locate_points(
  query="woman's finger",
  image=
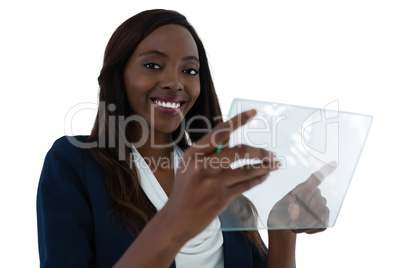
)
(242, 174)
(318, 177)
(219, 134)
(239, 188)
(243, 151)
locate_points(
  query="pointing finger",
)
(318, 177)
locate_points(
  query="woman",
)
(99, 207)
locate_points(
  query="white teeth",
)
(174, 105)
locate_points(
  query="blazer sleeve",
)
(65, 221)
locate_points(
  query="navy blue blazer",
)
(75, 228)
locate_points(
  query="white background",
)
(307, 53)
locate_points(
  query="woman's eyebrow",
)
(191, 58)
(150, 52)
(156, 52)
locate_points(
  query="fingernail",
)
(251, 113)
(278, 164)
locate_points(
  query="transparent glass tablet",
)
(318, 150)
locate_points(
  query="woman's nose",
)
(170, 80)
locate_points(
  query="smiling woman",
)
(162, 73)
(97, 208)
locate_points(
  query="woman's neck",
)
(155, 147)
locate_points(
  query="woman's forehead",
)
(168, 39)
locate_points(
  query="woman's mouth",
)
(168, 106)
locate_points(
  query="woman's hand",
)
(205, 185)
(304, 208)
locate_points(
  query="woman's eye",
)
(191, 71)
(151, 65)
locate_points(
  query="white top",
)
(204, 250)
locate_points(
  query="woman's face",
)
(161, 77)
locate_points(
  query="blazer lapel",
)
(236, 250)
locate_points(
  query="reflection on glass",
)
(318, 150)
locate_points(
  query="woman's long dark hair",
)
(128, 200)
